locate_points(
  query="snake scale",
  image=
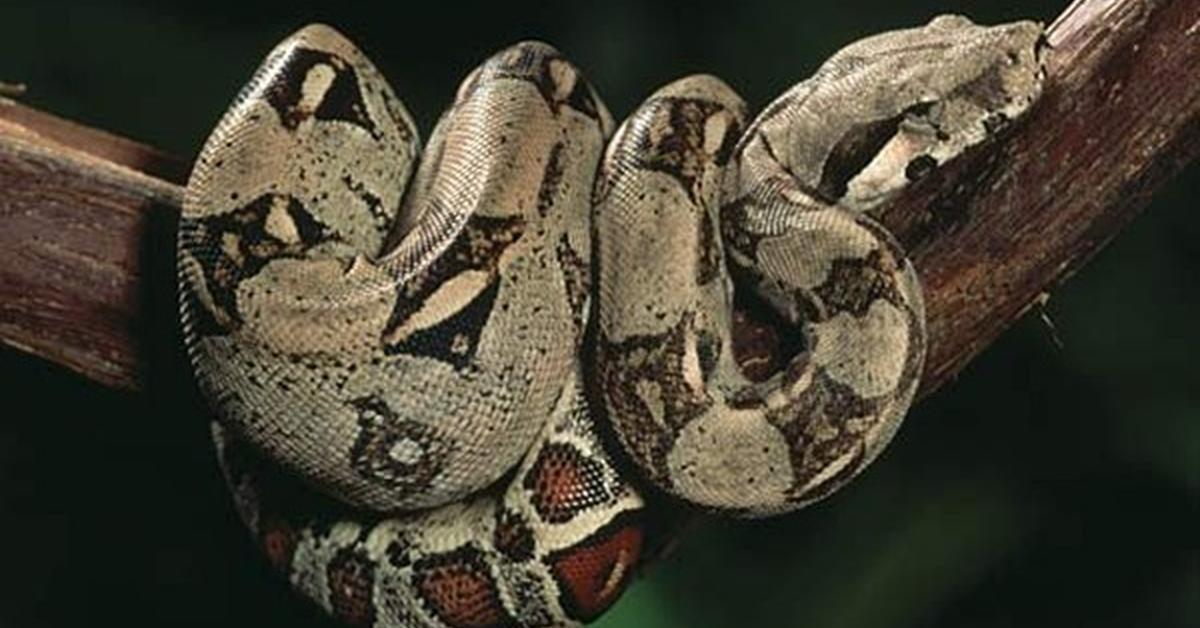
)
(444, 380)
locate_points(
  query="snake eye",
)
(919, 167)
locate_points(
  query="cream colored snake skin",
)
(415, 382)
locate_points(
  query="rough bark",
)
(86, 245)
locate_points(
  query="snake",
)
(451, 384)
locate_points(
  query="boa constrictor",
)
(439, 360)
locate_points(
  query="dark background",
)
(1049, 486)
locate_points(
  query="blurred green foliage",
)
(1048, 486)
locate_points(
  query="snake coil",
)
(392, 344)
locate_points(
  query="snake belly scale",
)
(415, 361)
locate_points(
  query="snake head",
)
(888, 109)
(937, 90)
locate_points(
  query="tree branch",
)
(995, 231)
(88, 217)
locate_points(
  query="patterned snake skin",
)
(414, 381)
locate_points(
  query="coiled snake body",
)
(435, 358)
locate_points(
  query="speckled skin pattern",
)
(685, 194)
(415, 360)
